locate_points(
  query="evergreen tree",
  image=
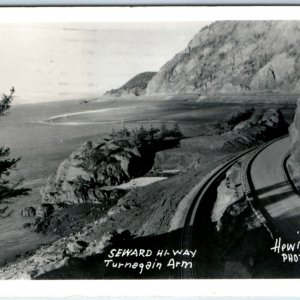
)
(6, 101)
(176, 132)
(164, 131)
(141, 135)
(8, 189)
(152, 132)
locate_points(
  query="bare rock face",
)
(84, 176)
(293, 163)
(228, 192)
(232, 213)
(233, 56)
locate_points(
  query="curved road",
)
(275, 196)
(197, 225)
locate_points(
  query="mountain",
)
(136, 86)
(234, 56)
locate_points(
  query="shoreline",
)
(54, 119)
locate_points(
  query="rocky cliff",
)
(88, 173)
(293, 163)
(233, 56)
(248, 127)
(136, 86)
(92, 172)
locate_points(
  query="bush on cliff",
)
(235, 118)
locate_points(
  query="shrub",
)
(142, 136)
(239, 116)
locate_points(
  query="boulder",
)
(28, 212)
(76, 247)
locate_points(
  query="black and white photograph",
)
(149, 149)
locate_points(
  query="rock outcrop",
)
(233, 56)
(134, 87)
(232, 212)
(228, 192)
(256, 127)
(86, 175)
(293, 163)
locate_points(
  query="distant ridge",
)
(136, 86)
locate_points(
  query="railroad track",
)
(249, 189)
(188, 231)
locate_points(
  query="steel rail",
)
(187, 236)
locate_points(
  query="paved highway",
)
(279, 202)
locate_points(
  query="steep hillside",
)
(293, 161)
(233, 56)
(134, 87)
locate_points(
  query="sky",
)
(59, 61)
